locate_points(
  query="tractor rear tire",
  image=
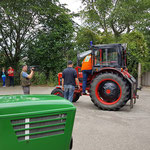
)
(58, 92)
(76, 96)
(109, 91)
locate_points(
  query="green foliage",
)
(3, 60)
(118, 16)
(137, 51)
(84, 36)
(136, 45)
(107, 38)
(17, 79)
(39, 78)
(28, 21)
(144, 27)
(36, 32)
(17, 27)
(53, 44)
(52, 79)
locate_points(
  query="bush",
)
(52, 79)
(138, 52)
(39, 78)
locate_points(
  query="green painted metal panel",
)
(10, 105)
(35, 122)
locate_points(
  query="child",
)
(3, 77)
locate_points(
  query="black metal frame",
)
(120, 51)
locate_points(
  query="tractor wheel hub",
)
(109, 91)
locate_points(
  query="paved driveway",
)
(95, 129)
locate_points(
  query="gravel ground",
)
(94, 129)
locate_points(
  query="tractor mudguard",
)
(124, 73)
(58, 87)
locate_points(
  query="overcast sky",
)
(74, 6)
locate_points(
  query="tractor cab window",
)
(106, 57)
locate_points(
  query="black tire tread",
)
(57, 90)
(61, 91)
(120, 103)
(76, 97)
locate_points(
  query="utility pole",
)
(139, 75)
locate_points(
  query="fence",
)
(146, 79)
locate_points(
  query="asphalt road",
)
(95, 129)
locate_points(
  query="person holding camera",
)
(25, 79)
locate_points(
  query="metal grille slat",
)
(47, 117)
(46, 134)
(19, 127)
(18, 121)
(40, 129)
(22, 138)
(47, 128)
(20, 132)
(49, 125)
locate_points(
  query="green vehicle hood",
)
(16, 104)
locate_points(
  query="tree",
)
(83, 38)
(137, 51)
(21, 20)
(85, 35)
(53, 44)
(144, 27)
(18, 25)
(118, 16)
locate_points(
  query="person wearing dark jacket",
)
(69, 80)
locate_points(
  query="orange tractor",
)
(110, 85)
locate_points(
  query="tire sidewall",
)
(75, 99)
(58, 90)
(117, 79)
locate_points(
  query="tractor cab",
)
(107, 56)
(112, 55)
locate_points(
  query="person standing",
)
(69, 80)
(25, 79)
(11, 76)
(3, 76)
(86, 70)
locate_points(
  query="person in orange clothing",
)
(86, 70)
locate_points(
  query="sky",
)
(74, 6)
